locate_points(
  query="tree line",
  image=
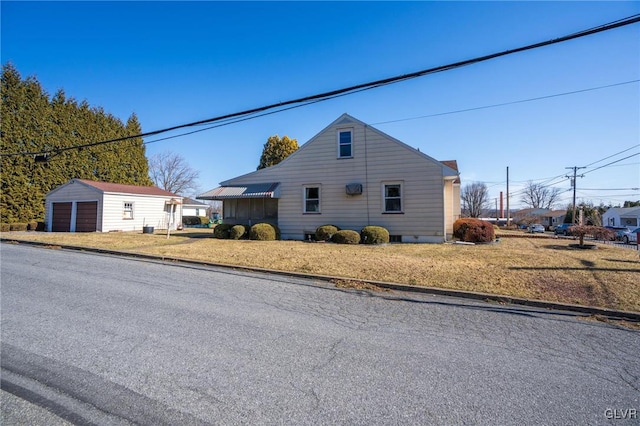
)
(32, 121)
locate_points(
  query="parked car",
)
(620, 231)
(563, 229)
(631, 236)
(535, 228)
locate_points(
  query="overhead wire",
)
(506, 103)
(243, 115)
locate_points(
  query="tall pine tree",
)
(31, 122)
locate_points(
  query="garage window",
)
(127, 211)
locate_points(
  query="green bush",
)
(264, 232)
(325, 232)
(237, 231)
(346, 237)
(203, 220)
(222, 231)
(473, 230)
(4, 227)
(374, 235)
(191, 220)
(18, 227)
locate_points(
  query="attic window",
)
(345, 148)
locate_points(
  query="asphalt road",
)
(94, 339)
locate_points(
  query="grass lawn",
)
(531, 267)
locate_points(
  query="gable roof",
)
(121, 188)
(449, 169)
(191, 202)
(625, 211)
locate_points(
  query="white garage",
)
(87, 206)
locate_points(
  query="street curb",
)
(485, 297)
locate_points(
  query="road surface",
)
(95, 339)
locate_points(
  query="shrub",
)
(346, 237)
(18, 227)
(4, 227)
(32, 226)
(203, 220)
(191, 220)
(374, 235)
(473, 230)
(221, 231)
(237, 231)
(597, 232)
(325, 232)
(264, 232)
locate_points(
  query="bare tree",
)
(475, 198)
(538, 196)
(171, 172)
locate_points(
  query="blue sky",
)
(178, 62)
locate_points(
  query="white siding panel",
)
(147, 211)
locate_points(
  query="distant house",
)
(622, 216)
(349, 175)
(545, 217)
(192, 207)
(88, 206)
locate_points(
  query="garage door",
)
(61, 217)
(86, 216)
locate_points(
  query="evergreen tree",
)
(31, 122)
(275, 150)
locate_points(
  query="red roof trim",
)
(127, 189)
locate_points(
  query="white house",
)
(349, 175)
(622, 216)
(87, 206)
(193, 208)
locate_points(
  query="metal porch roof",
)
(255, 190)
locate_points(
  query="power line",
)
(613, 162)
(353, 89)
(506, 103)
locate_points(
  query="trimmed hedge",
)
(4, 227)
(346, 236)
(473, 230)
(264, 232)
(325, 232)
(195, 220)
(374, 235)
(18, 227)
(222, 231)
(32, 226)
(237, 231)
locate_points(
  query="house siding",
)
(376, 159)
(147, 211)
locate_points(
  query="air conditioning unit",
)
(354, 189)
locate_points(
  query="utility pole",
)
(508, 211)
(573, 185)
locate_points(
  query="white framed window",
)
(392, 196)
(345, 143)
(127, 210)
(311, 199)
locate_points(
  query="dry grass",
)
(537, 268)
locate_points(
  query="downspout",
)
(366, 174)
